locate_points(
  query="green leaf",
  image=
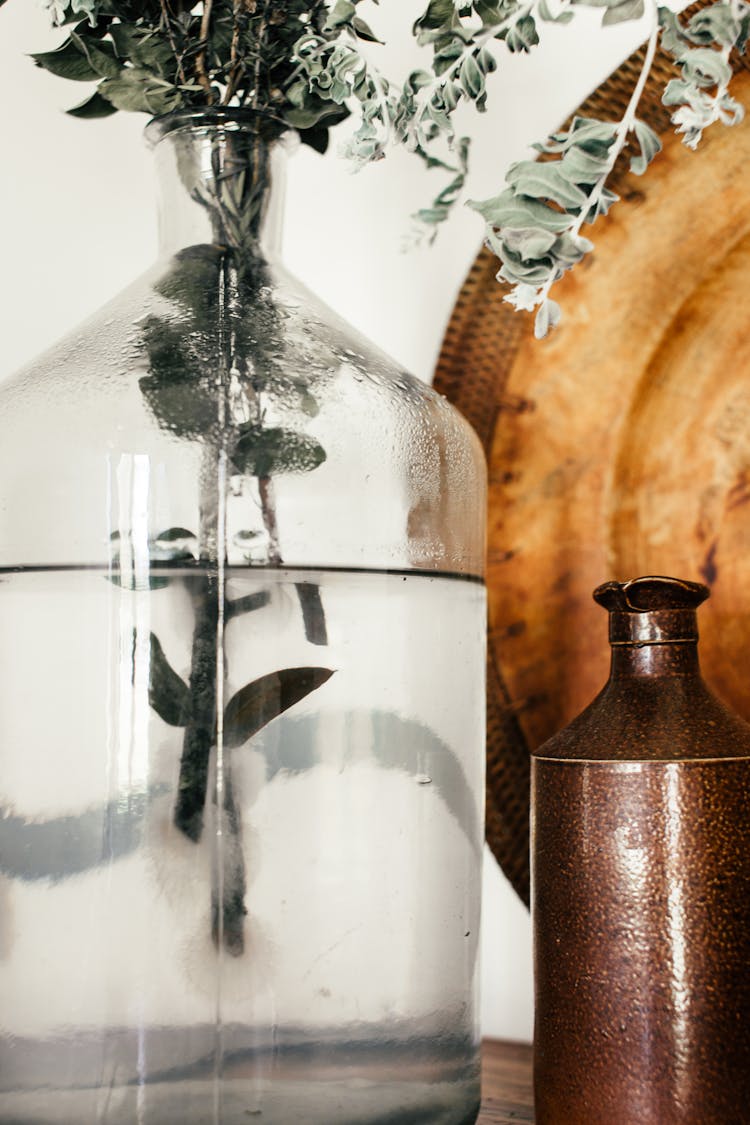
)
(177, 388)
(471, 76)
(192, 280)
(439, 13)
(715, 24)
(581, 167)
(620, 13)
(743, 34)
(677, 92)
(155, 54)
(340, 14)
(264, 452)
(706, 68)
(100, 56)
(364, 31)
(490, 11)
(318, 138)
(147, 48)
(520, 212)
(168, 694)
(545, 181)
(446, 56)
(530, 244)
(95, 106)
(569, 250)
(516, 270)
(258, 703)
(592, 136)
(139, 91)
(486, 60)
(546, 14)
(522, 36)
(125, 37)
(67, 62)
(649, 143)
(673, 38)
(312, 110)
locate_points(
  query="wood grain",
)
(506, 1083)
(633, 454)
(619, 446)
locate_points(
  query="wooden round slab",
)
(619, 446)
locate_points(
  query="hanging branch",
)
(311, 65)
(534, 226)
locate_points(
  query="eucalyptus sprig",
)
(702, 49)
(155, 56)
(535, 224)
(312, 65)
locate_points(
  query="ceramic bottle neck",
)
(653, 628)
(658, 642)
(655, 660)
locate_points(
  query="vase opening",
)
(221, 176)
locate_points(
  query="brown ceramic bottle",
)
(641, 885)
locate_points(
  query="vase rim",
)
(229, 118)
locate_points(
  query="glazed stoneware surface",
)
(641, 886)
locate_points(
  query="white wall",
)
(77, 223)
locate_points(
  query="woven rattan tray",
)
(619, 446)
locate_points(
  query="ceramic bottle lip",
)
(653, 609)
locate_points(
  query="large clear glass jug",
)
(241, 696)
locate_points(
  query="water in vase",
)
(238, 862)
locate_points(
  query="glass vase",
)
(241, 700)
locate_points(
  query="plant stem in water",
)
(201, 727)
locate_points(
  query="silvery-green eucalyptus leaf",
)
(545, 181)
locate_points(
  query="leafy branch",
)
(311, 66)
(193, 707)
(702, 50)
(534, 225)
(210, 727)
(155, 56)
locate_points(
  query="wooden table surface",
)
(506, 1084)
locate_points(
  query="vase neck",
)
(653, 627)
(221, 177)
(658, 642)
(671, 658)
